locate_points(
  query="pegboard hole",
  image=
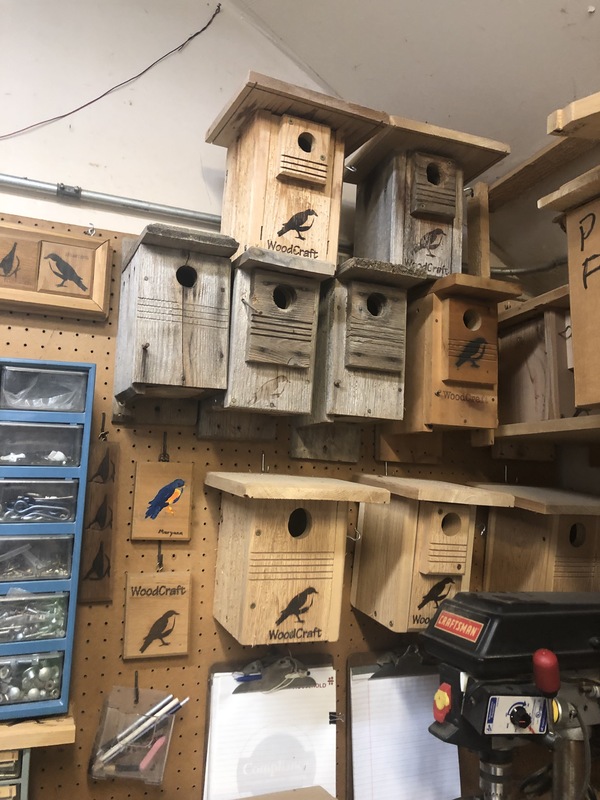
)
(577, 534)
(472, 319)
(306, 142)
(451, 524)
(283, 296)
(434, 175)
(376, 303)
(299, 522)
(186, 276)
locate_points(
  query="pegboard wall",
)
(97, 665)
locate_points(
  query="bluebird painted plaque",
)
(162, 502)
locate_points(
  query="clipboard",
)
(394, 757)
(261, 742)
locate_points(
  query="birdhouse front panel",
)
(279, 570)
(283, 187)
(360, 353)
(272, 347)
(173, 324)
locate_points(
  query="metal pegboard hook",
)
(103, 435)
(263, 463)
(358, 536)
(159, 559)
(164, 456)
(91, 231)
(251, 307)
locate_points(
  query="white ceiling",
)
(495, 68)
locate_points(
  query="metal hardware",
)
(71, 192)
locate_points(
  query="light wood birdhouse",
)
(417, 550)
(281, 552)
(285, 161)
(409, 204)
(452, 354)
(173, 314)
(361, 344)
(548, 542)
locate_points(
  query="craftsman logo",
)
(162, 590)
(459, 626)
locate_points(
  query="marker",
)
(139, 731)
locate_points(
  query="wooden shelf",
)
(583, 429)
(514, 311)
(37, 733)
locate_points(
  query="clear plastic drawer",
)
(35, 558)
(10, 764)
(42, 389)
(33, 444)
(31, 678)
(29, 617)
(35, 500)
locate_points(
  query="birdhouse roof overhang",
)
(472, 154)
(459, 284)
(574, 193)
(265, 486)
(542, 500)
(356, 123)
(438, 491)
(174, 238)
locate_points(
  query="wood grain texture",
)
(574, 193)
(217, 423)
(478, 231)
(47, 732)
(181, 239)
(542, 500)
(437, 491)
(330, 441)
(259, 257)
(268, 486)
(162, 501)
(580, 119)
(512, 312)
(583, 428)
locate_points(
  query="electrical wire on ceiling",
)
(177, 49)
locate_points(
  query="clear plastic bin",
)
(35, 558)
(35, 500)
(36, 444)
(29, 617)
(31, 678)
(42, 389)
(10, 764)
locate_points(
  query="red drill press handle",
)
(546, 674)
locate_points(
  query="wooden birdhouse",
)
(409, 203)
(452, 354)
(579, 200)
(285, 161)
(547, 542)
(416, 551)
(274, 313)
(174, 314)
(361, 344)
(280, 557)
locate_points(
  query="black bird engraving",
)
(160, 629)
(472, 351)
(430, 241)
(105, 471)
(100, 567)
(7, 265)
(297, 605)
(436, 593)
(65, 272)
(298, 223)
(103, 517)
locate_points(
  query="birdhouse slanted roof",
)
(170, 236)
(464, 285)
(473, 154)
(542, 500)
(356, 123)
(438, 491)
(265, 486)
(574, 193)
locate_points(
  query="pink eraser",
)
(150, 755)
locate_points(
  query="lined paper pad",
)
(269, 742)
(394, 757)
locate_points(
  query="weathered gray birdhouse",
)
(281, 554)
(285, 160)
(409, 204)
(416, 551)
(274, 313)
(173, 332)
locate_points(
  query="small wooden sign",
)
(162, 503)
(157, 614)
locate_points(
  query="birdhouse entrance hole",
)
(298, 522)
(451, 524)
(577, 534)
(433, 174)
(186, 276)
(472, 319)
(306, 142)
(283, 296)
(375, 304)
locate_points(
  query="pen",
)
(154, 710)
(140, 730)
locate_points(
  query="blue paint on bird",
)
(165, 498)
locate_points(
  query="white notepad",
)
(269, 742)
(394, 757)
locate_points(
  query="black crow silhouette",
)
(160, 629)
(472, 351)
(436, 593)
(7, 264)
(65, 272)
(105, 471)
(103, 517)
(100, 567)
(297, 605)
(298, 223)
(430, 241)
